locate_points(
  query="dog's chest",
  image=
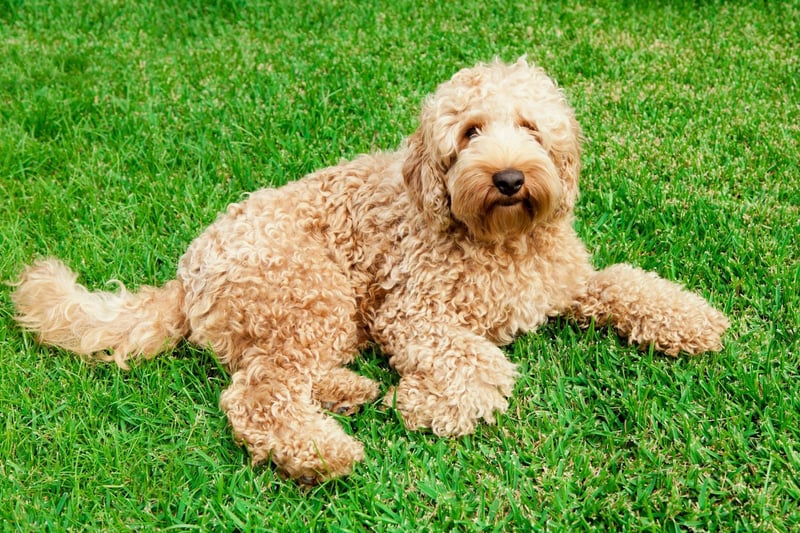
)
(497, 296)
(504, 299)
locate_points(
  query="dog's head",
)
(497, 150)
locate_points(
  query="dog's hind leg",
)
(649, 310)
(271, 411)
(285, 331)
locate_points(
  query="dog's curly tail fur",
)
(108, 326)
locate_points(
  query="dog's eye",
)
(531, 127)
(471, 133)
(532, 130)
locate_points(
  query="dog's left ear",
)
(425, 184)
(565, 151)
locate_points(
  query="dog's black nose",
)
(508, 181)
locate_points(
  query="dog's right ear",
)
(425, 184)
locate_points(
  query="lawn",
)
(125, 127)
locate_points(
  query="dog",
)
(438, 253)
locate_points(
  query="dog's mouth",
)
(519, 203)
(509, 200)
(497, 200)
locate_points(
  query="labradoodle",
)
(438, 253)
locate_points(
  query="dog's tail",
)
(109, 326)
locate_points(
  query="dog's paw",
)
(651, 311)
(316, 460)
(343, 392)
(451, 408)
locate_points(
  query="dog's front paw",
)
(651, 311)
(453, 407)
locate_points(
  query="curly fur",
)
(419, 251)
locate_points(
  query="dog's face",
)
(497, 150)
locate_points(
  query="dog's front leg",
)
(450, 377)
(649, 310)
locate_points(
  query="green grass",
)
(125, 128)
